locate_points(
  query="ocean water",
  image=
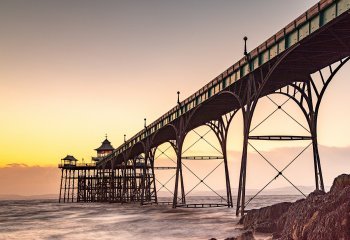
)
(48, 219)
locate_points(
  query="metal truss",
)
(251, 95)
(307, 94)
(164, 185)
(220, 128)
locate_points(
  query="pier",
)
(317, 43)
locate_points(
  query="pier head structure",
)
(298, 62)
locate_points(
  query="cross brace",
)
(280, 138)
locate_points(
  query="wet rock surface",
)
(248, 235)
(244, 236)
(264, 220)
(319, 216)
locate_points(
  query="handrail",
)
(77, 165)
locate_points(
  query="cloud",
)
(16, 165)
(26, 180)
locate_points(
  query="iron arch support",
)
(251, 96)
(296, 102)
(220, 127)
(330, 78)
(181, 131)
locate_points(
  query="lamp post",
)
(245, 46)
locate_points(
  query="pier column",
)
(179, 144)
(144, 176)
(153, 177)
(59, 200)
(181, 133)
(312, 120)
(243, 172)
(112, 183)
(124, 178)
(220, 128)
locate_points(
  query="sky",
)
(73, 71)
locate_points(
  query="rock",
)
(244, 236)
(248, 235)
(341, 182)
(265, 219)
(320, 215)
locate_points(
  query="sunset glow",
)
(71, 72)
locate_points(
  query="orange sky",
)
(72, 72)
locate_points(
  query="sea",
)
(48, 219)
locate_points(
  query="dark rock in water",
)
(264, 219)
(319, 216)
(244, 236)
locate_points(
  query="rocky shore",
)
(320, 216)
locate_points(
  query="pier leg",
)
(220, 128)
(124, 183)
(73, 180)
(227, 177)
(242, 180)
(69, 188)
(179, 143)
(143, 178)
(59, 199)
(183, 196)
(154, 181)
(247, 111)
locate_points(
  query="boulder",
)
(265, 219)
(248, 235)
(244, 236)
(341, 182)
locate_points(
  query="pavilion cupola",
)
(105, 149)
(69, 160)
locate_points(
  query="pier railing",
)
(77, 165)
